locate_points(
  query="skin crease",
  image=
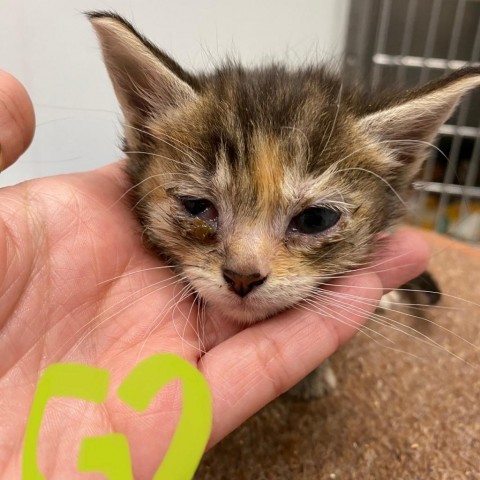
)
(62, 241)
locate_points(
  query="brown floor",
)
(404, 410)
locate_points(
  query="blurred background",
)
(52, 49)
(406, 42)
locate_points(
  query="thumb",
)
(17, 120)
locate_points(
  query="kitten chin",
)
(242, 315)
(266, 180)
(242, 311)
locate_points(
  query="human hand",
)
(76, 285)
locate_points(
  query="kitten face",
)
(259, 174)
(259, 185)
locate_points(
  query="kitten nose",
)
(242, 284)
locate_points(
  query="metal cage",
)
(406, 42)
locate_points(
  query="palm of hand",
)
(77, 285)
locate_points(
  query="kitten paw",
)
(316, 384)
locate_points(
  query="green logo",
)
(109, 454)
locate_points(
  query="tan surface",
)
(411, 412)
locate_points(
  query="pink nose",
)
(242, 284)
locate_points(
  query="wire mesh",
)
(409, 42)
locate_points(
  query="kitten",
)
(258, 184)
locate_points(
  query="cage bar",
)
(411, 42)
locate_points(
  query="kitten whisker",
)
(140, 200)
(200, 325)
(387, 321)
(156, 137)
(365, 327)
(190, 324)
(446, 295)
(166, 310)
(175, 147)
(366, 170)
(116, 313)
(304, 135)
(361, 328)
(137, 184)
(187, 323)
(342, 299)
(156, 155)
(368, 266)
(335, 119)
(135, 272)
(324, 309)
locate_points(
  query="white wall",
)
(51, 48)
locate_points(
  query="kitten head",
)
(261, 184)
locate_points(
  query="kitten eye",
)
(315, 220)
(199, 207)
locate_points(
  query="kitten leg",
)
(417, 294)
(316, 384)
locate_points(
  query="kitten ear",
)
(411, 120)
(146, 81)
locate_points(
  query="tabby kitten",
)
(259, 184)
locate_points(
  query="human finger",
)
(17, 120)
(401, 256)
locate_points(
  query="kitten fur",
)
(262, 145)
